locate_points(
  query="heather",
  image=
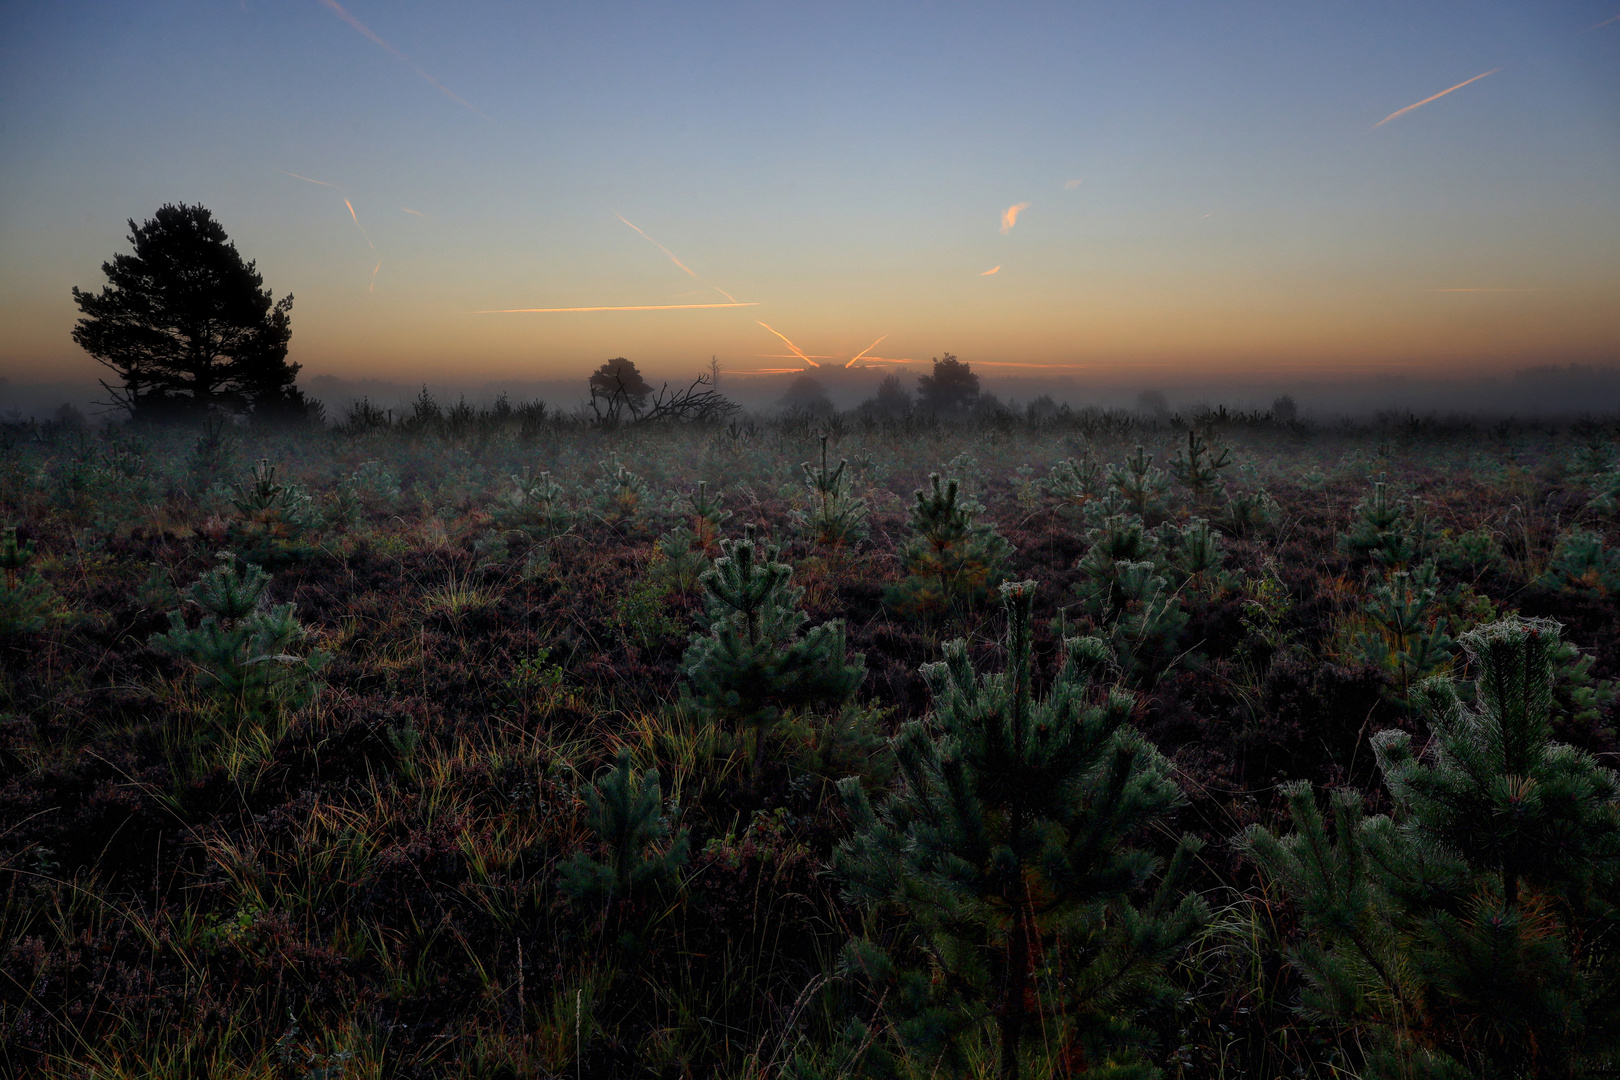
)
(499, 741)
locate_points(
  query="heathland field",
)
(495, 742)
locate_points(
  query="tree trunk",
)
(1013, 1007)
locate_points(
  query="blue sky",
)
(1206, 186)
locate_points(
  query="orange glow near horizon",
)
(629, 307)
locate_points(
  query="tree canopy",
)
(952, 389)
(620, 379)
(806, 394)
(187, 325)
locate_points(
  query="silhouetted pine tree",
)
(1005, 849)
(1472, 932)
(754, 662)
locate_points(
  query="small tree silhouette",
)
(951, 390)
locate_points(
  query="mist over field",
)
(1542, 391)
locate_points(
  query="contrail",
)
(676, 261)
(1605, 22)
(1425, 101)
(337, 9)
(408, 210)
(1010, 217)
(795, 348)
(629, 307)
(369, 244)
(864, 351)
(359, 226)
(308, 179)
(354, 216)
(990, 271)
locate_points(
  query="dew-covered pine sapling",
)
(687, 548)
(836, 518)
(27, 602)
(535, 505)
(1198, 467)
(950, 560)
(625, 812)
(1384, 531)
(1196, 557)
(1408, 634)
(1075, 482)
(757, 659)
(1007, 850)
(1470, 932)
(1140, 483)
(241, 650)
(1581, 562)
(1246, 512)
(212, 453)
(272, 519)
(620, 494)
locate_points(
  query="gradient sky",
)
(1205, 187)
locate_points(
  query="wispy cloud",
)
(796, 350)
(990, 271)
(337, 9)
(408, 210)
(1070, 185)
(864, 351)
(625, 307)
(1436, 97)
(1009, 217)
(1484, 290)
(674, 260)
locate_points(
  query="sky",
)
(1076, 188)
